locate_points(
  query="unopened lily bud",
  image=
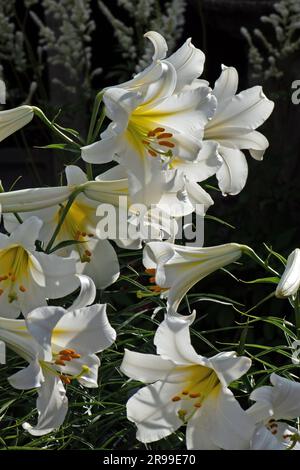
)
(290, 280)
(11, 120)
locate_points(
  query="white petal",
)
(255, 142)
(232, 175)
(86, 295)
(239, 115)
(32, 199)
(225, 422)
(102, 151)
(188, 62)
(103, 267)
(159, 43)
(27, 378)
(226, 85)
(86, 330)
(40, 323)
(200, 199)
(75, 175)
(229, 366)
(26, 233)
(52, 406)
(59, 274)
(290, 280)
(286, 402)
(207, 163)
(154, 412)
(263, 439)
(11, 120)
(147, 368)
(173, 342)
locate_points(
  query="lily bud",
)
(290, 280)
(11, 120)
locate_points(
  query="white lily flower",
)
(150, 123)
(279, 402)
(233, 127)
(29, 277)
(59, 346)
(290, 280)
(178, 268)
(95, 257)
(11, 120)
(187, 388)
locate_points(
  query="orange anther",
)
(90, 235)
(195, 395)
(150, 271)
(65, 358)
(83, 234)
(197, 405)
(185, 392)
(152, 279)
(88, 253)
(152, 153)
(176, 398)
(13, 278)
(65, 379)
(1, 291)
(145, 142)
(67, 351)
(165, 135)
(3, 278)
(157, 130)
(75, 356)
(22, 288)
(165, 143)
(59, 362)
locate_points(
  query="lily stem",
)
(39, 113)
(91, 132)
(296, 304)
(250, 252)
(63, 215)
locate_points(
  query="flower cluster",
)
(168, 132)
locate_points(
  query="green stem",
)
(96, 107)
(296, 304)
(39, 113)
(248, 251)
(62, 218)
(99, 124)
(91, 133)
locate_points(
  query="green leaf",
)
(220, 221)
(65, 147)
(263, 280)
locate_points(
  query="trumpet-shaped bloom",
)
(60, 347)
(290, 280)
(29, 277)
(178, 268)
(95, 257)
(274, 403)
(151, 121)
(11, 120)
(234, 125)
(186, 388)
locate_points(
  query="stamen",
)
(165, 135)
(66, 380)
(3, 278)
(22, 288)
(88, 253)
(165, 143)
(151, 271)
(176, 398)
(185, 392)
(59, 362)
(195, 395)
(152, 153)
(152, 280)
(198, 405)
